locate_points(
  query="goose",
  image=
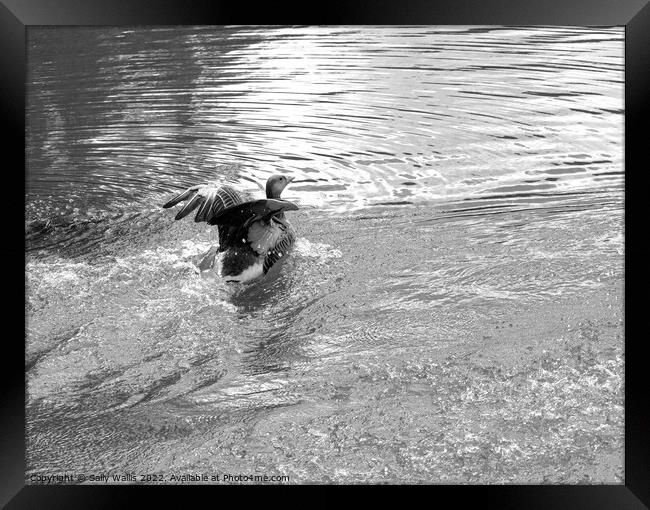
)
(253, 235)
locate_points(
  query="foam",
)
(320, 251)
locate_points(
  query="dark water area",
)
(452, 310)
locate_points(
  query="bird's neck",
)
(272, 193)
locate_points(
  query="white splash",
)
(320, 251)
(193, 248)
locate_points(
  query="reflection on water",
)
(360, 115)
(452, 309)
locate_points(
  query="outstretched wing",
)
(256, 220)
(244, 214)
(210, 199)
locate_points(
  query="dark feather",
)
(190, 206)
(180, 197)
(246, 213)
(227, 236)
(204, 210)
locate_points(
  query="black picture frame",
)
(17, 15)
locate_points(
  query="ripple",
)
(127, 118)
(458, 215)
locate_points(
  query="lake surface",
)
(452, 311)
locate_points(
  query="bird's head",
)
(275, 185)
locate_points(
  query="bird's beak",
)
(289, 179)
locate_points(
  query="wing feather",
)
(247, 212)
(283, 245)
(237, 219)
(210, 199)
(206, 206)
(180, 197)
(189, 206)
(263, 236)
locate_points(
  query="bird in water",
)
(253, 235)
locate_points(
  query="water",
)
(452, 310)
